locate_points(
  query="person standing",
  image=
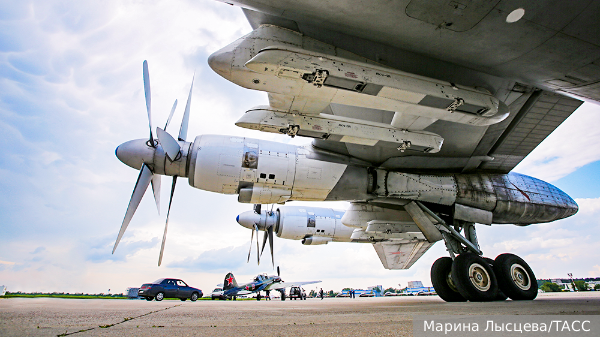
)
(268, 297)
(321, 293)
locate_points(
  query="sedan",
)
(169, 288)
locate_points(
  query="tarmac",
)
(383, 316)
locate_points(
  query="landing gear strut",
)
(467, 275)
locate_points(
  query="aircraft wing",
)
(400, 255)
(529, 65)
(283, 285)
(498, 147)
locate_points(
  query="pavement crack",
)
(126, 319)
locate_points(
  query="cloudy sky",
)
(71, 91)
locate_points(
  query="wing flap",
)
(541, 114)
(400, 255)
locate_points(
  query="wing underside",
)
(495, 148)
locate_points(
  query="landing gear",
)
(441, 279)
(474, 278)
(467, 275)
(516, 279)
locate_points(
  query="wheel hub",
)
(520, 277)
(451, 283)
(479, 277)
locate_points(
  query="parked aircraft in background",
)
(261, 282)
(418, 110)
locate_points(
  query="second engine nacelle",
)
(299, 222)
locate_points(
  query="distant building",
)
(415, 284)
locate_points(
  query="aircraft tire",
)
(474, 278)
(515, 277)
(500, 296)
(160, 296)
(442, 282)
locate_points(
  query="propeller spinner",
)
(148, 157)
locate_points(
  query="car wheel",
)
(149, 298)
(212, 298)
(160, 296)
(194, 297)
(183, 299)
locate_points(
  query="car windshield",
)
(218, 289)
(158, 281)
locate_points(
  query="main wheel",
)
(160, 296)
(442, 280)
(194, 297)
(500, 296)
(474, 278)
(515, 277)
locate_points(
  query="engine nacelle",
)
(298, 222)
(315, 240)
(265, 172)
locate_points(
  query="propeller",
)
(173, 151)
(257, 245)
(259, 221)
(268, 234)
(133, 152)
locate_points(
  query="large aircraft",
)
(419, 111)
(261, 282)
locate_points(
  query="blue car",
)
(169, 288)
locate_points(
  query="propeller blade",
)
(156, 190)
(186, 114)
(169, 144)
(278, 274)
(162, 246)
(138, 192)
(270, 231)
(264, 242)
(170, 115)
(148, 99)
(257, 249)
(251, 241)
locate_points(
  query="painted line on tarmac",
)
(126, 319)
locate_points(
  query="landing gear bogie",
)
(474, 278)
(442, 280)
(516, 278)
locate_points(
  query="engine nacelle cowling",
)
(315, 240)
(299, 222)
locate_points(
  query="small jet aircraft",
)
(261, 282)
